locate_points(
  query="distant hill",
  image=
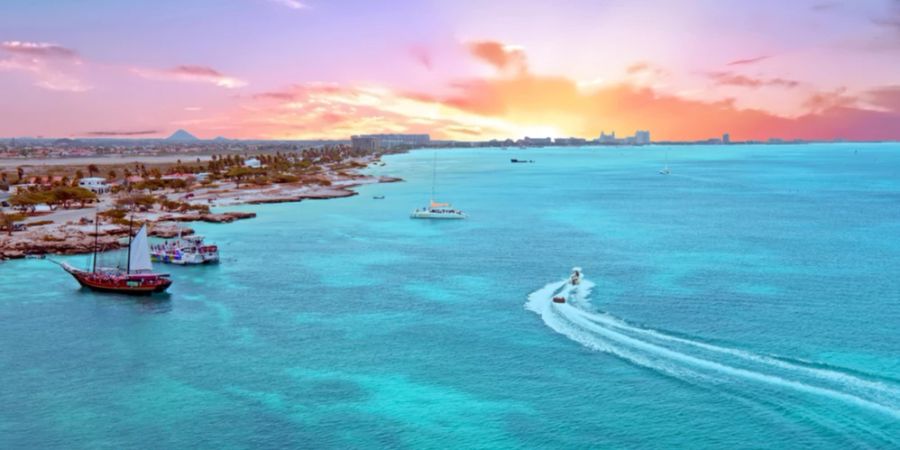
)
(221, 139)
(182, 135)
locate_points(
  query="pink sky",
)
(461, 70)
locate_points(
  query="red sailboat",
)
(137, 278)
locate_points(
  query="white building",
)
(642, 137)
(96, 185)
(252, 163)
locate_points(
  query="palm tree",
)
(92, 169)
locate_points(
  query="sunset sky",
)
(463, 69)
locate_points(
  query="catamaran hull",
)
(436, 216)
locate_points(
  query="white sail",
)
(140, 252)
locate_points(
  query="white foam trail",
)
(606, 333)
(846, 380)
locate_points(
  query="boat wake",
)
(700, 362)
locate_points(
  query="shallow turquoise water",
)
(749, 300)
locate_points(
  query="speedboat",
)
(559, 299)
(378, 197)
(575, 278)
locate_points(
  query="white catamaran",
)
(437, 210)
(665, 170)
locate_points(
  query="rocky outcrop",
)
(226, 217)
(73, 240)
(315, 195)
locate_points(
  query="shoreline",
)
(74, 233)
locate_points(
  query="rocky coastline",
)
(78, 237)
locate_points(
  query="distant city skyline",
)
(315, 69)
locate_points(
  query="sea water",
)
(748, 300)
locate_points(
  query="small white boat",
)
(190, 250)
(575, 278)
(665, 170)
(437, 210)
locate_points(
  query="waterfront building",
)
(364, 143)
(372, 142)
(537, 141)
(252, 163)
(607, 138)
(726, 138)
(96, 185)
(642, 137)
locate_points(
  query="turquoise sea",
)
(751, 299)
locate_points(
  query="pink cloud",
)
(744, 62)
(51, 66)
(292, 4)
(38, 49)
(422, 56)
(193, 74)
(503, 57)
(733, 79)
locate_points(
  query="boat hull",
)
(185, 259)
(121, 283)
(436, 215)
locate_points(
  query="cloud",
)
(733, 79)
(121, 133)
(193, 74)
(38, 49)
(520, 103)
(823, 101)
(46, 74)
(51, 66)
(744, 62)
(292, 4)
(891, 18)
(422, 56)
(825, 6)
(503, 57)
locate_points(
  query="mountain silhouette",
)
(182, 135)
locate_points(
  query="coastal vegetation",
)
(163, 194)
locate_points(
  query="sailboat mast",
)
(433, 174)
(130, 223)
(96, 236)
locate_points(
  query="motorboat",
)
(189, 250)
(575, 278)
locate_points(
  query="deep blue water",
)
(749, 300)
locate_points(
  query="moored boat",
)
(436, 210)
(190, 250)
(137, 278)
